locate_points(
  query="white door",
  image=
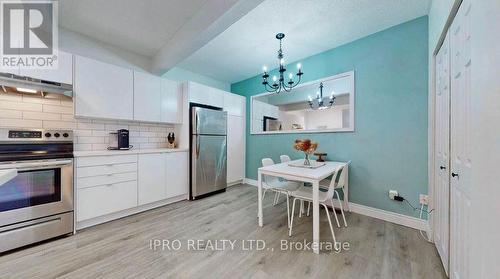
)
(151, 178)
(103, 90)
(171, 102)
(63, 73)
(442, 154)
(235, 148)
(177, 174)
(461, 130)
(147, 97)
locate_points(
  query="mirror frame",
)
(351, 108)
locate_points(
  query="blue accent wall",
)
(388, 148)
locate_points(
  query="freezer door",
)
(209, 167)
(209, 121)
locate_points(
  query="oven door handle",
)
(36, 165)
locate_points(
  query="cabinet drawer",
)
(105, 160)
(97, 201)
(106, 169)
(91, 181)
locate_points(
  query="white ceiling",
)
(135, 25)
(311, 27)
(167, 31)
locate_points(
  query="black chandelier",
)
(319, 102)
(280, 84)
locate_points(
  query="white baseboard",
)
(381, 214)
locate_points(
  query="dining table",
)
(291, 171)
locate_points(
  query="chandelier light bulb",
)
(275, 78)
(310, 98)
(282, 61)
(299, 66)
(264, 68)
(290, 76)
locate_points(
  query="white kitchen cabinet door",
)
(205, 95)
(177, 174)
(151, 178)
(63, 73)
(235, 148)
(171, 102)
(105, 199)
(147, 96)
(234, 104)
(102, 90)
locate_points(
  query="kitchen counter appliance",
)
(37, 204)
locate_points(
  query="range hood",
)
(22, 84)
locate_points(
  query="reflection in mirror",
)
(303, 109)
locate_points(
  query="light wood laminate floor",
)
(121, 249)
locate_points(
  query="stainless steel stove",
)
(37, 204)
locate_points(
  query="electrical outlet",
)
(392, 194)
(424, 199)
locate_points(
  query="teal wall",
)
(388, 148)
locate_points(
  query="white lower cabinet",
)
(104, 199)
(151, 186)
(127, 184)
(177, 174)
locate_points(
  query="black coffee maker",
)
(122, 140)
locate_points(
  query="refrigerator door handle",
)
(197, 147)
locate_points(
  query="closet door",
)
(442, 154)
(461, 164)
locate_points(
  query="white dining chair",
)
(305, 194)
(339, 184)
(285, 158)
(273, 183)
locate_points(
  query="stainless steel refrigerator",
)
(208, 151)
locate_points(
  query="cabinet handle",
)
(441, 167)
(454, 174)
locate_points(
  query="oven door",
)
(41, 188)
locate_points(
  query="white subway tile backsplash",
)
(57, 109)
(41, 115)
(59, 125)
(90, 126)
(20, 123)
(20, 106)
(39, 100)
(30, 112)
(6, 113)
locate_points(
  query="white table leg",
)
(259, 198)
(315, 195)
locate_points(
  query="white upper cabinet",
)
(151, 178)
(102, 90)
(171, 102)
(205, 95)
(62, 74)
(147, 96)
(234, 104)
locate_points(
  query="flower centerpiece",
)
(307, 146)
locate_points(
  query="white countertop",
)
(127, 152)
(6, 175)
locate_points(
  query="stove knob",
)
(48, 135)
(57, 135)
(65, 135)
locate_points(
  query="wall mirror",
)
(303, 111)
